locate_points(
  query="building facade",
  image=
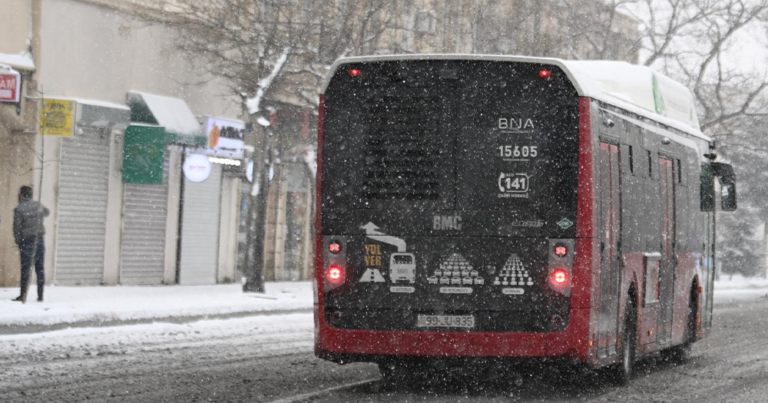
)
(109, 117)
(123, 210)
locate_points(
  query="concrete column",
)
(114, 231)
(228, 224)
(308, 237)
(172, 218)
(280, 224)
(9, 271)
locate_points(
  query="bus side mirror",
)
(727, 185)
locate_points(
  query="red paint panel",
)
(585, 229)
(318, 207)
(479, 344)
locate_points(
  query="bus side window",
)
(707, 188)
(650, 165)
(652, 284)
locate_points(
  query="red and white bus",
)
(511, 207)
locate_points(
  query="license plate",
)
(466, 321)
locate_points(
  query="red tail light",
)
(560, 277)
(544, 73)
(334, 247)
(355, 72)
(561, 250)
(335, 274)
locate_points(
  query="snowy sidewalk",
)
(116, 305)
(736, 286)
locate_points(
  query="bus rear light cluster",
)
(560, 265)
(333, 269)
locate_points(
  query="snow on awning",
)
(22, 61)
(172, 113)
(96, 113)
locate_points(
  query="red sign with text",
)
(10, 87)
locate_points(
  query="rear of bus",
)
(447, 211)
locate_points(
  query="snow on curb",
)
(739, 287)
(111, 305)
(114, 304)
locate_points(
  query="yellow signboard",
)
(57, 117)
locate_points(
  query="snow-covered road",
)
(267, 358)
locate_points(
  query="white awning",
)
(172, 113)
(22, 61)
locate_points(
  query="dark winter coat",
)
(28, 219)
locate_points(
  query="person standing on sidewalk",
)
(29, 233)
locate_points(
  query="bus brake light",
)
(544, 73)
(355, 72)
(335, 274)
(560, 276)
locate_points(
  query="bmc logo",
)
(446, 223)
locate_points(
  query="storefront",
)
(178, 225)
(83, 197)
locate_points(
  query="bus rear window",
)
(451, 135)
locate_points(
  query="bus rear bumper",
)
(345, 345)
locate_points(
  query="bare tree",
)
(265, 49)
(688, 40)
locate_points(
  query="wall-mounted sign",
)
(225, 137)
(197, 167)
(57, 117)
(10, 85)
(143, 155)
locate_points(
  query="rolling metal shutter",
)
(142, 258)
(200, 230)
(82, 216)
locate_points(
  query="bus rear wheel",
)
(622, 373)
(681, 353)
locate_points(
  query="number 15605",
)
(516, 151)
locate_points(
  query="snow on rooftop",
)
(637, 89)
(92, 102)
(172, 113)
(21, 61)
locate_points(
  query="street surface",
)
(269, 358)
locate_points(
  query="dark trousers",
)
(27, 250)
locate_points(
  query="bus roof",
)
(637, 89)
